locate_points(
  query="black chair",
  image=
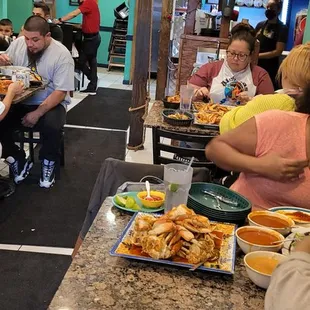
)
(26, 135)
(180, 152)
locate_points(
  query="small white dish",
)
(284, 231)
(260, 279)
(248, 247)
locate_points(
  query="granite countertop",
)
(96, 280)
(155, 119)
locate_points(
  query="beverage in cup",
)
(178, 180)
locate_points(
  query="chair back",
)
(67, 36)
(177, 151)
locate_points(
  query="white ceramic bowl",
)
(248, 247)
(283, 231)
(260, 279)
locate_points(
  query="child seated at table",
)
(6, 33)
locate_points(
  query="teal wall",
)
(307, 32)
(18, 11)
(107, 20)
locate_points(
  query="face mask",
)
(270, 14)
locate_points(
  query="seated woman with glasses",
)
(233, 80)
(294, 78)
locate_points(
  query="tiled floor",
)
(112, 79)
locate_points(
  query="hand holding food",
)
(16, 88)
(275, 167)
(243, 97)
(5, 60)
(201, 93)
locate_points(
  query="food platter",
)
(209, 115)
(224, 264)
(298, 215)
(4, 84)
(298, 234)
(135, 197)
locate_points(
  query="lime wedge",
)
(120, 200)
(136, 207)
(130, 202)
(173, 187)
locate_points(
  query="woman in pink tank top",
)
(271, 150)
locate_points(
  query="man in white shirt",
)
(46, 110)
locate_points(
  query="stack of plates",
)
(206, 204)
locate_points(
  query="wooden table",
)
(96, 280)
(154, 119)
(26, 94)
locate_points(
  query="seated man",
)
(6, 33)
(46, 110)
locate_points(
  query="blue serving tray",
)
(227, 257)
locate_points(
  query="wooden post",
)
(140, 78)
(163, 53)
(191, 16)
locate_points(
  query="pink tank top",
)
(285, 134)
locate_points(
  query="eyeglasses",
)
(241, 56)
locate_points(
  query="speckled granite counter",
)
(155, 120)
(96, 280)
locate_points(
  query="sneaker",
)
(19, 168)
(89, 91)
(47, 173)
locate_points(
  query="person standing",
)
(272, 35)
(91, 40)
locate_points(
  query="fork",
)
(221, 198)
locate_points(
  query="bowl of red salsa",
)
(155, 201)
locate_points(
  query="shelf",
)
(249, 7)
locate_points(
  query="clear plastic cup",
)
(177, 184)
(186, 94)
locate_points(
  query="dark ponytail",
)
(303, 101)
(243, 32)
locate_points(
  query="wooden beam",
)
(163, 53)
(140, 78)
(224, 31)
(190, 16)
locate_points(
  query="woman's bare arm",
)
(235, 151)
